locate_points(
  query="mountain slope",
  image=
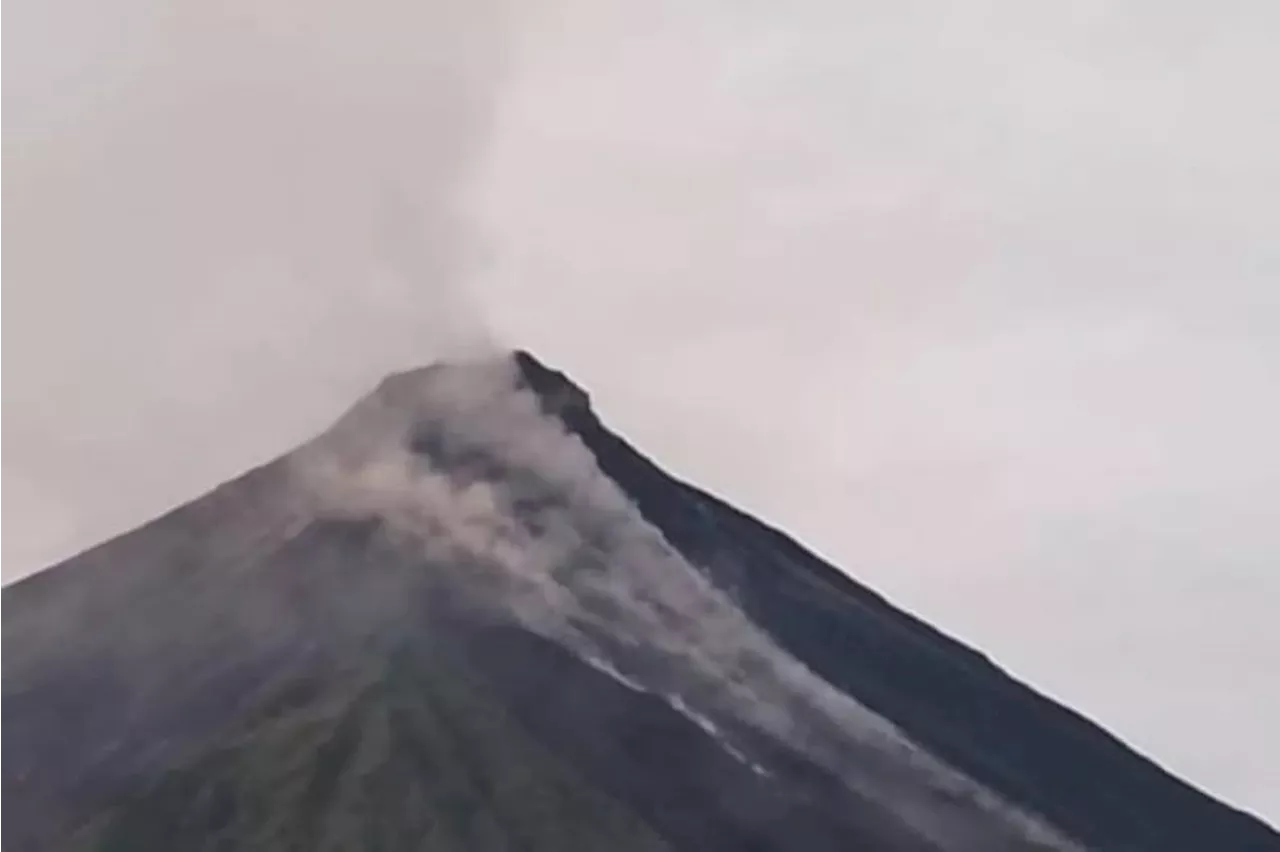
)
(410, 755)
(468, 616)
(942, 693)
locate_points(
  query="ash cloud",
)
(211, 207)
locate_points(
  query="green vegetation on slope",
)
(417, 757)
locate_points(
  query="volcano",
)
(470, 617)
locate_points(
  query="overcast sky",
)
(978, 300)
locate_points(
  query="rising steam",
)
(210, 207)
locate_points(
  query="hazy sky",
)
(978, 300)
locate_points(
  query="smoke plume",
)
(213, 206)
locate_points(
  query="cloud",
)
(212, 207)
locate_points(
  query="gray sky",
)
(978, 302)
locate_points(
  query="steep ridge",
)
(468, 616)
(943, 694)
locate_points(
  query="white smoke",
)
(572, 558)
(211, 207)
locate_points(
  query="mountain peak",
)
(519, 369)
(557, 392)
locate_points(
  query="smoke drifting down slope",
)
(574, 559)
